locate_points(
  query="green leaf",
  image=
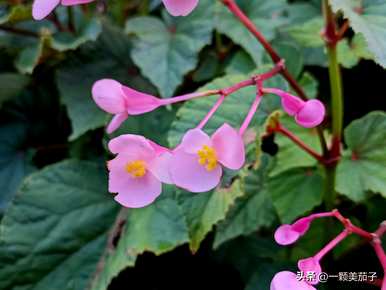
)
(363, 166)
(295, 192)
(266, 15)
(166, 50)
(16, 13)
(308, 34)
(107, 58)
(350, 53)
(290, 155)
(29, 57)
(368, 19)
(252, 211)
(241, 63)
(14, 161)
(292, 55)
(204, 210)
(193, 111)
(158, 228)
(12, 84)
(55, 230)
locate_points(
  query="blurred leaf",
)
(308, 34)
(192, 112)
(266, 15)
(369, 18)
(309, 84)
(251, 211)
(12, 84)
(157, 228)
(166, 51)
(241, 63)
(292, 55)
(204, 210)
(301, 12)
(363, 166)
(16, 13)
(29, 57)
(295, 192)
(290, 155)
(350, 53)
(55, 230)
(208, 68)
(14, 161)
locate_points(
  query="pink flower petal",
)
(139, 103)
(108, 95)
(302, 225)
(286, 280)
(75, 2)
(158, 148)
(42, 8)
(229, 147)
(311, 115)
(291, 104)
(310, 265)
(180, 7)
(116, 122)
(187, 173)
(285, 235)
(194, 140)
(160, 167)
(132, 145)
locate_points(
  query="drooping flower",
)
(180, 7)
(42, 8)
(197, 162)
(307, 114)
(286, 280)
(122, 101)
(311, 265)
(138, 170)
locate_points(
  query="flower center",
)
(136, 168)
(207, 157)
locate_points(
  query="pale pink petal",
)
(139, 103)
(108, 95)
(310, 265)
(291, 104)
(42, 8)
(311, 115)
(285, 235)
(187, 173)
(133, 145)
(180, 7)
(286, 280)
(229, 147)
(75, 2)
(158, 148)
(194, 140)
(116, 122)
(160, 167)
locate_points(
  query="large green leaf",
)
(15, 13)
(266, 15)
(166, 50)
(350, 52)
(11, 85)
(308, 33)
(193, 111)
(157, 228)
(369, 18)
(252, 211)
(363, 166)
(53, 234)
(14, 161)
(295, 192)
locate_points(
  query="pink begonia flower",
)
(310, 265)
(122, 101)
(42, 8)
(180, 7)
(288, 234)
(138, 170)
(286, 280)
(197, 162)
(307, 114)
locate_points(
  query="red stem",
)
(300, 143)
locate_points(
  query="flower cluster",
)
(141, 166)
(42, 8)
(288, 234)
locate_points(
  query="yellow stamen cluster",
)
(136, 168)
(207, 157)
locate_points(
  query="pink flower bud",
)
(42, 8)
(286, 280)
(310, 265)
(289, 234)
(180, 7)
